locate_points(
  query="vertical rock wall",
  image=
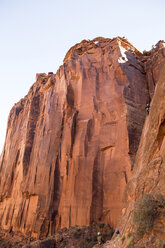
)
(71, 142)
(149, 168)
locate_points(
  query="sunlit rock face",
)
(71, 142)
(149, 167)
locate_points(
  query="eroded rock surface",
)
(149, 169)
(71, 142)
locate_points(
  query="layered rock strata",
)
(71, 142)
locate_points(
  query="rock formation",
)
(149, 168)
(148, 175)
(71, 142)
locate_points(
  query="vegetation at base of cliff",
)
(86, 237)
(82, 236)
(6, 246)
(147, 209)
(75, 237)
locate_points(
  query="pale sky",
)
(36, 34)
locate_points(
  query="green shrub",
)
(146, 211)
(77, 234)
(161, 200)
(7, 246)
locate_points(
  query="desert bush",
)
(161, 200)
(146, 211)
(6, 246)
(145, 53)
(77, 234)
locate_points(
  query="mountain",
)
(71, 141)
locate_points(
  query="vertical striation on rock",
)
(71, 142)
(149, 168)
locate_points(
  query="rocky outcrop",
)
(71, 142)
(149, 169)
(153, 62)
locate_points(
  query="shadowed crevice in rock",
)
(97, 190)
(97, 85)
(31, 126)
(106, 148)
(2, 163)
(35, 176)
(135, 103)
(50, 172)
(67, 168)
(45, 228)
(73, 131)
(125, 175)
(20, 213)
(8, 214)
(26, 214)
(57, 182)
(70, 96)
(161, 134)
(13, 172)
(56, 195)
(88, 136)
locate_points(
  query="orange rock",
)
(149, 169)
(70, 151)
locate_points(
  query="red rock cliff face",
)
(71, 142)
(149, 169)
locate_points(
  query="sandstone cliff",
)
(71, 142)
(149, 168)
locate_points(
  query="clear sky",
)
(36, 34)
